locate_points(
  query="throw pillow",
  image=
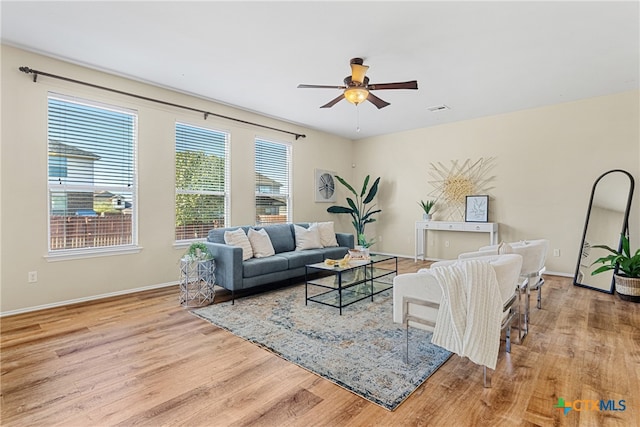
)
(260, 243)
(504, 248)
(239, 238)
(307, 238)
(327, 233)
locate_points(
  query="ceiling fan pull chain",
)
(357, 119)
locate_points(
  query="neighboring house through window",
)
(202, 181)
(273, 182)
(91, 153)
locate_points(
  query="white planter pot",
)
(426, 217)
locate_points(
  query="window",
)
(91, 165)
(202, 181)
(273, 182)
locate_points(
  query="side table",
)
(196, 282)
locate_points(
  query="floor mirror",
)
(607, 217)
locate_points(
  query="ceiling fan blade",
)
(413, 84)
(333, 101)
(377, 101)
(320, 87)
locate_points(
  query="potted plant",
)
(428, 208)
(361, 215)
(198, 252)
(626, 269)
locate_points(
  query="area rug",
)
(361, 351)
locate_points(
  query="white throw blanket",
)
(470, 314)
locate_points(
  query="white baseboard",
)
(557, 273)
(85, 299)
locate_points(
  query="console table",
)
(472, 227)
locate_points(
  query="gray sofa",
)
(234, 274)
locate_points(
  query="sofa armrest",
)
(228, 261)
(345, 239)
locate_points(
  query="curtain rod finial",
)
(28, 70)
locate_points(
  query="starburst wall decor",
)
(453, 184)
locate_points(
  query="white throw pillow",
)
(307, 238)
(504, 248)
(260, 243)
(327, 233)
(239, 238)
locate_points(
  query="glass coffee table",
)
(342, 286)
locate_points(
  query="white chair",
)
(534, 255)
(417, 297)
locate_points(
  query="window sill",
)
(184, 244)
(91, 253)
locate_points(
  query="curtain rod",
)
(35, 73)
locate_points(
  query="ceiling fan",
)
(357, 88)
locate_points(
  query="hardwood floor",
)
(142, 359)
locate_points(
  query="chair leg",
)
(486, 377)
(406, 349)
(508, 337)
(527, 310)
(522, 329)
(540, 283)
(539, 305)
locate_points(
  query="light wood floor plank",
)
(142, 359)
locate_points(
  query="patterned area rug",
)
(362, 350)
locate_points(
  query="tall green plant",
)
(627, 264)
(361, 214)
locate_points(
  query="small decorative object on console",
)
(359, 254)
(477, 209)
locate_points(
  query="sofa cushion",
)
(307, 238)
(238, 237)
(260, 243)
(281, 236)
(258, 266)
(298, 259)
(327, 233)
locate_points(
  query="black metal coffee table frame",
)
(344, 286)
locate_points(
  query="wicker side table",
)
(196, 282)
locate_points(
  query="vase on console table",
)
(360, 252)
(426, 217)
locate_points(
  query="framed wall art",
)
(477, 209)
(325, 186)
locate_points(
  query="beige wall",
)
(546, 161)
(24, 182)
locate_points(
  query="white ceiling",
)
(478, 58)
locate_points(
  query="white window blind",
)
(92, 179)
(273, 182)
(202, 180)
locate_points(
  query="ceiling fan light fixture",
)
(358, 72)
(356, 95)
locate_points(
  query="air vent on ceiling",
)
(435, 108)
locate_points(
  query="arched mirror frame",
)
(625, 228)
